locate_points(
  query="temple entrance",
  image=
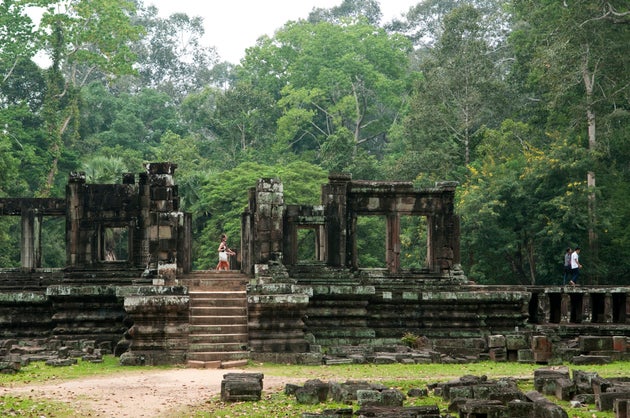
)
(413, 242)
(307, 244)
(371, 241)
(53, 242)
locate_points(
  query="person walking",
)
(224, 254)
(575, 266)
(566, 273)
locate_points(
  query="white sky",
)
(234, 25)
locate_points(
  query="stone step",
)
(218, 311)
(196, 302)
(211, 294)
(200, 329)
(212, 280)
(222, 356)
(218, 320)
(227, 347)
(216, 285)
(216, 364)
(217, 338)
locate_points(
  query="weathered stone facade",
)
(108, 284)
(128, 283)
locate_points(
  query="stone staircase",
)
(218, 335)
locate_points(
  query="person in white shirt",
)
(575, 266)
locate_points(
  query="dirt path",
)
(138, 394)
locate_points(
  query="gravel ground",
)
(146, 393)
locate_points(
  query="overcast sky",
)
(233, 25)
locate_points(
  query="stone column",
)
(565, 308)
(334, 199)
(587, 309)
(267, 221)
(162, 220)
(544, 313)
(31, 244)
(392, 245)
(76, 250)
(608, 308)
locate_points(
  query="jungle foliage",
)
(526, 103)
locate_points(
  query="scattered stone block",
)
(605, 401)
(385, 360)
(496, 341)
(417, 393)
(541, 348)
(515, 342)
(399, 412)
(600, 385)
(620, 344)
(525, 356)
(482, 408)
(545, 379)
(61, 362)
(520, 409)
(369, 397)
(565, 389)
(544, 408)
(330, 413)
(498, 354)
(621, 407)
(313, 392)
(347, 392)
(590, 360)
(590, 343)
(237, 387)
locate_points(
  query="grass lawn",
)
(277, 404)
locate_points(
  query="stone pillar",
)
(267, 221)
(608, 308)
(334, 199)
(392, 245)
(565, 308)
(162, 219)
(587, 309)
(163, 209)
(76, 250)
(443, 228)
(247, 233)
(31, 244)
(544, 312)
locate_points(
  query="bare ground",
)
(146, 393)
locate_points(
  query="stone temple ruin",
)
(128, 286)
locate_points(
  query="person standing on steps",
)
(566, 273)
(575, 266)
(224, 254)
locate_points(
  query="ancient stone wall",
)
(131, 296)
(125, 246)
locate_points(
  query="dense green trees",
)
(524, 102)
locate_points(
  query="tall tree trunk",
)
(589, 80)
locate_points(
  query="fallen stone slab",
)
(238, 387)
(606, 400)
(590, 360)
(399, 412)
